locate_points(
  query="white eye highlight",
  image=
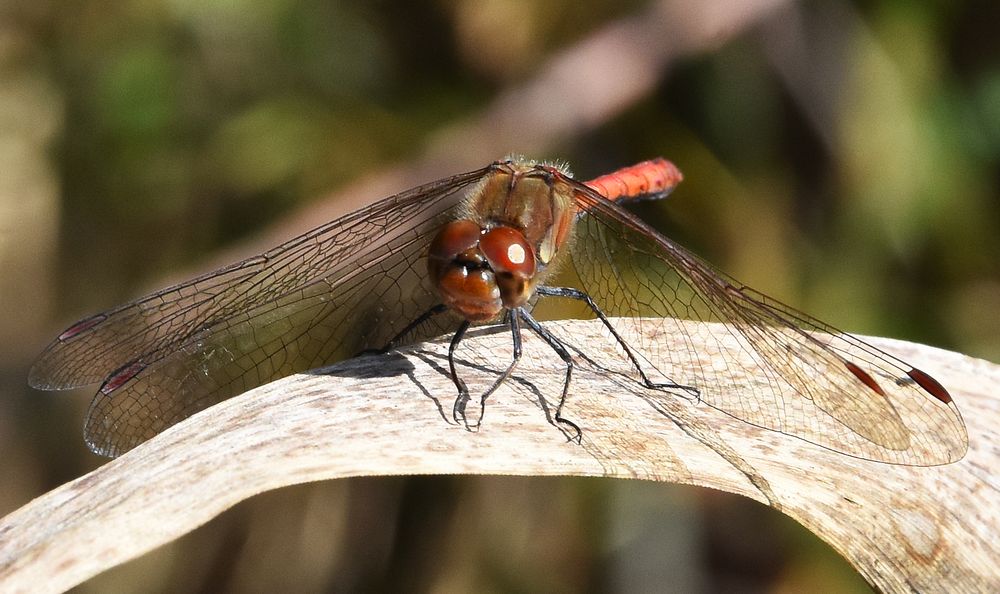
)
(515, 253)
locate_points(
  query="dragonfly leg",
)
(458, 411)
(560, 349)
(515, 330)
(571, 293)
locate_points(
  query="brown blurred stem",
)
(903, 528)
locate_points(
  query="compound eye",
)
(508, 251)
(454, 238)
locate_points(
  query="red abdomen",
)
(649, 177)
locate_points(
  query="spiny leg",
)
(560, 350)
(515, 330)
(571, 293)
(463, 391)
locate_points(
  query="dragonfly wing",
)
(321, 297)
(754, 358)
(328, 321)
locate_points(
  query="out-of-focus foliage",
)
(843, 156)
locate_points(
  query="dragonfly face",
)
(482, 247)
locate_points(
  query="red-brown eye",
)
(453, 239)
(508, 251)
(460, 272)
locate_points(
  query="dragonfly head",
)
(480, 271)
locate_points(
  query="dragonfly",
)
(486, 247)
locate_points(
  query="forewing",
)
(349, 285)
(754, 358)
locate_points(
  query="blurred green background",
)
(841, 156)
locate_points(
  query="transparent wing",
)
(351, 284)
(805, 379)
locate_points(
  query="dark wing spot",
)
(930, 385)
(121, 377)
(82, 326)
(863, 375)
